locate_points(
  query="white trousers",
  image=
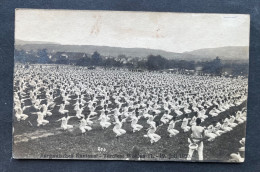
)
(200, 152)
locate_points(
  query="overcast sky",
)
(175, 32)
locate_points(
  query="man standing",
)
(197, 137)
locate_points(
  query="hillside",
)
(225, 53)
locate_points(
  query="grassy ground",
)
(102, 144)
(50, 141)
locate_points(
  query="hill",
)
(225, 53)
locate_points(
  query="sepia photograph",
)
(124, 85)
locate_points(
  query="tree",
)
(84, 61)
(96, 59)
(217, 66)
(156, 62)
(19, 55)
(43, 57)
(213, 67)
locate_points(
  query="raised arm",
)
(58, 120)
(71, 117)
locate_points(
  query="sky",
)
(174, 32)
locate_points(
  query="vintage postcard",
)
(119, 85)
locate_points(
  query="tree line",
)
(152, 62)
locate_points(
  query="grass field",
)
(50, 141)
